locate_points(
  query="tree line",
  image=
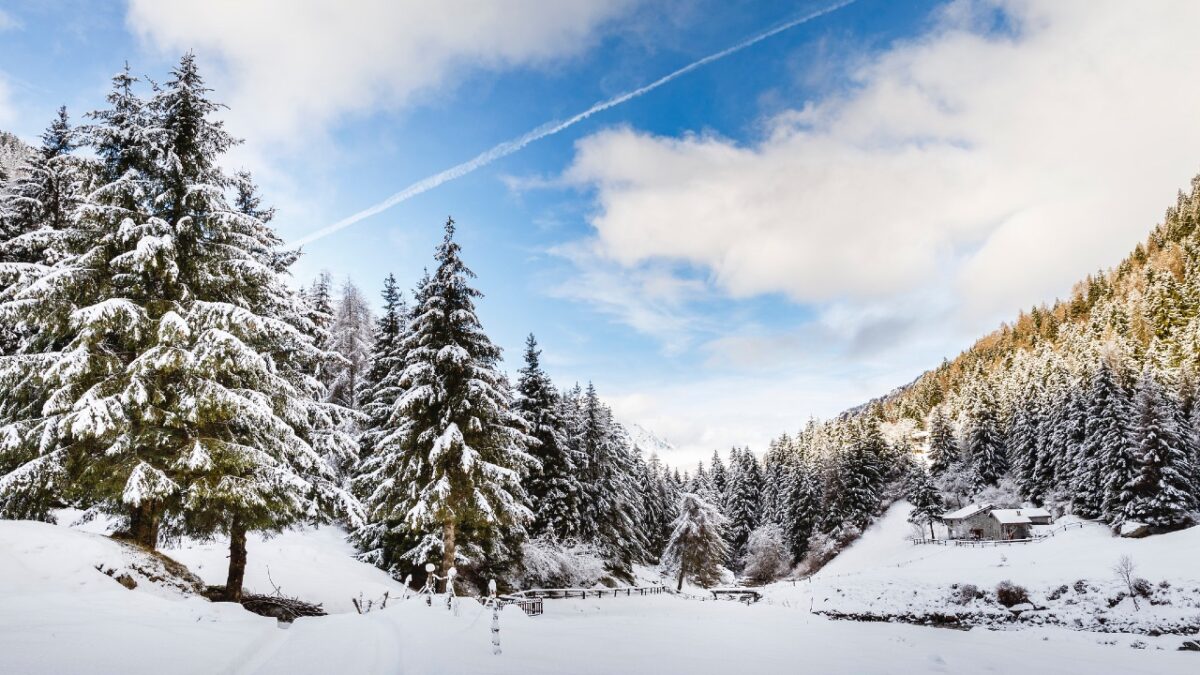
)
(160, 368)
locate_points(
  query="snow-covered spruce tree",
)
(660, 495)
(1159, 493)
(857, 479)
(801, 506)
(42, 197)
(984, 444)
(743, 501)
(1118, 458)
(718, 479)
(696, 548)
(459, 448)
(925, 499)
(318, 302)
(553, 488)
(1025, 440)
(38, 194)
(384, 538)
(773, 472)
(379, 388)
(613, 505)
(943, 447)
(1106, 438)
(177, 389)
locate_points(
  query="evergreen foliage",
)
(696, 548)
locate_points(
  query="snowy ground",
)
(883, 575)
(60, 615)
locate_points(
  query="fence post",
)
(495, 602)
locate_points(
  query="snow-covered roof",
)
(966, 511)
(1012, 516)
(1035, 513)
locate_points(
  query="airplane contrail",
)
(549, 129)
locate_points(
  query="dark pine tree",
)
(553, 487)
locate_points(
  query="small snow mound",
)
(40, 556)
(1131, 529)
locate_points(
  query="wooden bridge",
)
(530, 601)
(746, 595)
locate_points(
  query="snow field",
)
(60, 615)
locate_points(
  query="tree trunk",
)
(679, 586)
(931, 535)
(237, 560)
(143, 525)
(448, 551)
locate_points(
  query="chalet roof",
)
(1012, 516)
(1036, 513)
(967, 511)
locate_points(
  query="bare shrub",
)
(1010, 594)
(1124, 570)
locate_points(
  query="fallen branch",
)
(280, 607)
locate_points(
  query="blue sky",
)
(782, 233)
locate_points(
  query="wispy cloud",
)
(549, 129)
(649, 299)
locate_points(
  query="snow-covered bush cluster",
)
(767, 558)
(546, 563)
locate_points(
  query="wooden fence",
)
(585, 593)
(531, 606)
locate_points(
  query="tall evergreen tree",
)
(1159, 493)
(984, 443)
(743, 501)
(802, 501)
(172, 351)
(925, 499)
(696, 548)
(553, 487)
(613, 507)
(718, 480)
(1106, 436)
(943, 448)
(459, 447)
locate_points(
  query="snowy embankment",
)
(1069, 578)
(59, 614)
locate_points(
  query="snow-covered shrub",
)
(965, 594)
(552, 564)
(767, 557)
(1142, 587)
(1058, 592)
(1010, 594)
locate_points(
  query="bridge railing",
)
(584, 593)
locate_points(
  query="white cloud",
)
(1014, 161)
(295, 65)
(978, 169)
(716, 413)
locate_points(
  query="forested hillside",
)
(1088, 406)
